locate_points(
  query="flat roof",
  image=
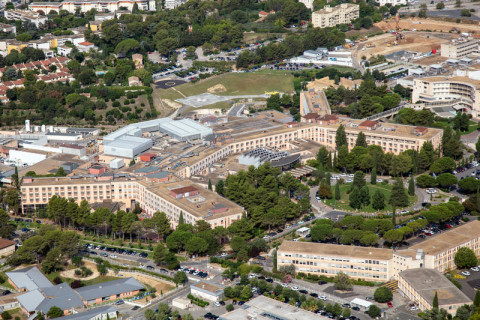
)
(475, 83)
(449, 239)
(263, 308)
(336, 250)
(208, 286)
(90, 314)
(427, 282)
(200, 208)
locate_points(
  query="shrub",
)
(199, 302)
(76, 284)
(383, 294)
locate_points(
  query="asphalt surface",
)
(165, 84)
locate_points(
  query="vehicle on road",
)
(389, 304)
(465, 273)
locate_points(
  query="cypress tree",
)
(361, 140)
(476, 301)
(337, 191)
(341, 137)
(378, 200)
(435, 301)
(373, 176)
(411, 186)
(209, 185)
(334, 161)
(398, 196)
(180, 219)
(329, 165)
(328, 178)
(355, 198)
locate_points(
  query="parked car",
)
(465, 273)
(389, 304)
(475, 269)
(119, 302)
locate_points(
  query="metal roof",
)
(43, 299)
(29, 278)
(110, 288)
(185, 128)
(91, 314)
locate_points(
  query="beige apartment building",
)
(420, 285)
(462, 93)
(192, 200)
(392, 138)
(371, 264)
(459, 48)
(375, 264)
(330, 17)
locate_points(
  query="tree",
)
(324, 190)
(6, 315)
(383, 294)
(246, 293)
(361, 140)
(355, 199)
(465, 258)
(398, 196)
(180, 218)
(180, 277)
(435, 301)
(373, 176)
(321, 232)
(237, 243)
(341, 137)
(411, 186)
(53, 260)
(337, 191)
(393, 236)
(476, 301)
(210, 185)
(374, 311)
(468, 185)
(378, 200)
(440, 6)
(219, 187)
(150, 314)
(427, 181)
(342, 282)
(159, 254)
(365, 196)
(359, 180)
(54, 312)
(446, 180)
(443, 164)
(196, 245)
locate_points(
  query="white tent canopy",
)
(361, 303)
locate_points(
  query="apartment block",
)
(172, 4)
(83, 6)
(372, 264)
(330, 17)
(421, 285)
(459, 48)
(376, 264)
(26, 16)
(173, 198)
(244, 135)
(312, 101)
(438, 252)
(462, 93)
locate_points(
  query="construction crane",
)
(398, 35)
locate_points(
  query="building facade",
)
(151, 196)
(7, 247)
(459, 48)
(392, 138)
(26, 16)
(207, 290)
(83, 6)
(462, 93)
(421, 285)
(330, 17)
(374, 264)
(371, 264)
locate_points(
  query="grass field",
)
(472, 126)
(235, 84)
(343, 203)
(258, 36)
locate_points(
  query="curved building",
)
(461, 93)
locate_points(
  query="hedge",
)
(199, 302)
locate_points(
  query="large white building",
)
(330, 17)
(461, 93)
(73, 6)
(459, 48)
(26, 16)
(172, 4)
(392, 2)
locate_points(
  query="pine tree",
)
(209, 185)
(411, 186)
(341, 137)
(361, 140)
(373, 176)
(435, 301)
(355, 199)
(337, 191)
(378, 200)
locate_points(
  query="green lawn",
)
(472, 126)
(342, 204)
(246, 83)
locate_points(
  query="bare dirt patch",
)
(71, 273)
(217, 88)
(428, 24)
(172, 104)
(159, 285)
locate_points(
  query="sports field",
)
(228, 84)
(343, 203)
